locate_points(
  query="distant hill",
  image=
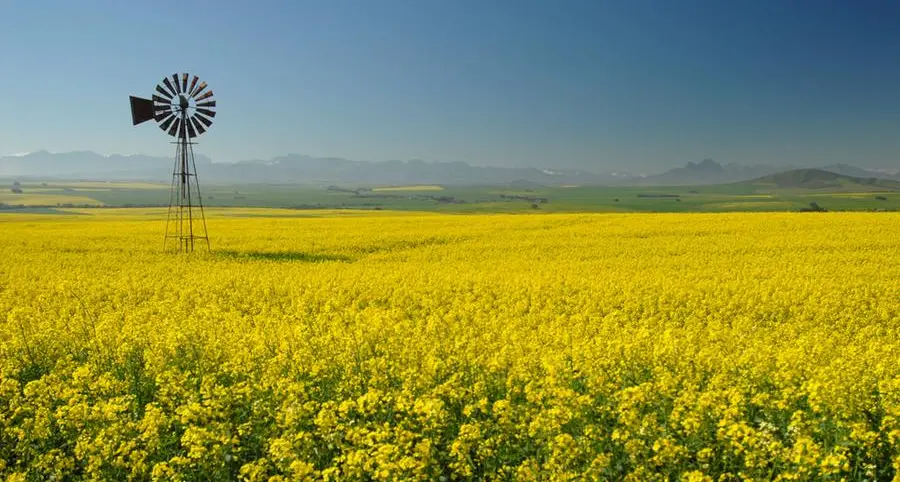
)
(707, 172)
(91, 164)
(822, 179)
(848, 170)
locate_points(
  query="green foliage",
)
(783, 193)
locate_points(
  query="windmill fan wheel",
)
(183, 108)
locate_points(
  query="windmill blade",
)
(184, 78)
(162, 111)
(177, 85)
(169, 86)
(202, 119)
(206, 112)
(141, 109)
(163, 92)
(199, 89)
(174, 129)
(190, 130)
(162, 115)
(198, 126)
(161, 100)
(207, 95)
(193, 84)
(210, 103)
(165, 125)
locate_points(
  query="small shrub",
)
(814, 207)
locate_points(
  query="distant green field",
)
(719, 198)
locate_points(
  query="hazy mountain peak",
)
(709, 164)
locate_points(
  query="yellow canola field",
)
(452, 347)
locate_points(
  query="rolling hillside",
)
(819, 179)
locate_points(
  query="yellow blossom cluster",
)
(388, 346)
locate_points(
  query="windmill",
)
(184, 110)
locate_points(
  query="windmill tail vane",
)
(183, 109)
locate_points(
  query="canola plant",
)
(351, 346)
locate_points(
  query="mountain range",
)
(289, 169)
(302, 169)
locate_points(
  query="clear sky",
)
(597, 84)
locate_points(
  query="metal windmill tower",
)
(184, 110)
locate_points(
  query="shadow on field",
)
(283, 256)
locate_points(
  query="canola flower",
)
(694, 347)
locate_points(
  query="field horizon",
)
(795, 190)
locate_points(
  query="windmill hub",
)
(183, 102)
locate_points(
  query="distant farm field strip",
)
(27, 199)
(863, 195)
(775, 205)
(409, 188)
(108, 185)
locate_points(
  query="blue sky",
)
(602, 85)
